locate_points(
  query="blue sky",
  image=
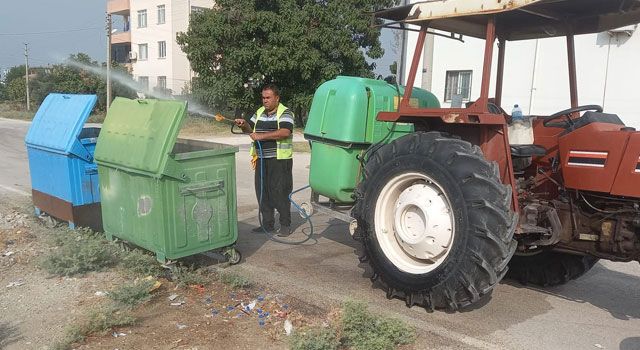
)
(56, 29)
(46, 26)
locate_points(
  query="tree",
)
(14, 73)
(16, 90)
(77, 76)
(240, 45)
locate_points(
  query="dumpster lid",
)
(138, 136)
(58, 123)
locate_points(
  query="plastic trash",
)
(288, 327)
(173, 297)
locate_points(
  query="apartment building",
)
(144, 38)
(536, 72)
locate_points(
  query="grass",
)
(188, 276)
(79, 252)
(97, 117)
(15, 110)
(301, 147)
(357, 329)
(317, 338)
(98, 321)
(363, 330)
(132, 294)
(234, 280)
(198, 125)
(139, 263)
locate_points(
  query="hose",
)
(300, 210)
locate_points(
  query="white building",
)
(145, 38)
(608, 67)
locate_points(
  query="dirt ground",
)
(36, 309)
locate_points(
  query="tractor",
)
(444, 202)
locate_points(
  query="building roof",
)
(518, 19)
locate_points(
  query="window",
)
(162, 49)
(458, 84)
(142, 19)
(161, 14)
(143, 52)
(162, 82)
(144, 83)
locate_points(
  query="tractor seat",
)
(595, 117)
(524, 151)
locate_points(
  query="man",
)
(272, 126)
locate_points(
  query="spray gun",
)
(254, 161)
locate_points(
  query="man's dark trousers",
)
(277, 184)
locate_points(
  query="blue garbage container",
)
(64, 177)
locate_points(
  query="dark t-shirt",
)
(268, 123)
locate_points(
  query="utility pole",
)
(26, 70)
(109, 25)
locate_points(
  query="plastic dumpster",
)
(173, 197)
(64, 178)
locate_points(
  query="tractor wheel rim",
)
(414, 223)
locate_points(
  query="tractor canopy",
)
(518, 19)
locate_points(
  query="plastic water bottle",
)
(520, 131)
(516, 114)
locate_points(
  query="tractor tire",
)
(549, 268)
(436, 222)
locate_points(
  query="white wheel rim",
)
(414, 223)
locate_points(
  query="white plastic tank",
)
(520, 129)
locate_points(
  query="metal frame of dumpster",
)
(173, 197)
(64, 178)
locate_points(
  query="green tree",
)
(16, 90)
(240, 45)
(14, 73)
(78, 75)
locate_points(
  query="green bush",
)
(362, 330)
(130, 295)
(234, 280)
(140, 264)
(99, 321)
(316, 338)
(78, 253)
(188, 276)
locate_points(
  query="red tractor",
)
(447, 211)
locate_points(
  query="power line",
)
(51, 32)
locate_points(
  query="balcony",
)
(121, 37)
(118, 7)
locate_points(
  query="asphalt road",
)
(599, 311)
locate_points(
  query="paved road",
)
(599, 311)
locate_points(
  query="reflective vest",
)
(284, 148)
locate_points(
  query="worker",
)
(272, 126)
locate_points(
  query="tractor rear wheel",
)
(549, 268)
(435, 220)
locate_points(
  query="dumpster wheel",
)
(233, 256)
(436, 222)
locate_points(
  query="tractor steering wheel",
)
(567, 115)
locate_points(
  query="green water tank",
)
(342, 125)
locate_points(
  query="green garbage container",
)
(173, 197)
